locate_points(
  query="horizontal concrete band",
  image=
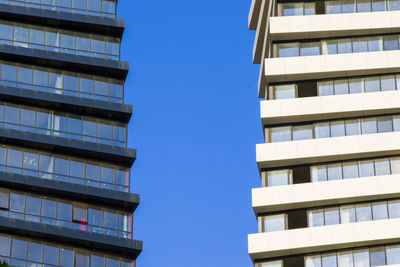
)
(333, 25)
(308, 195)
(64, 20)
(329, 107)
(281, 154)
(66, 103)
(330, 66)
(324, 238)
(127, 248)
(97, 196)
(254, 14)
(111, 154)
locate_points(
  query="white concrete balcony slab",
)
(331, 66)
(334, 25)
(329, 107)
(324, 238)
(280, 154)
(308, 195)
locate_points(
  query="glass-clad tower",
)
(330, 163)
(64, 163)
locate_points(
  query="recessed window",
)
(284, 91)
(279, 177)
(274, 223)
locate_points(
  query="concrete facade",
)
(295, 189)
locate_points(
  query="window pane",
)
(105, 131)
(367, 168)
(345, 259)
(385, 124)
(107, 175)
(89, 128)
(390, 42)
(379, 210)
(353, 127)
(80, 214)
(46, 163)
(24, 75)
(64, 211)
(332, 7)
(360, 44)
(377, 256)
(281, 177)
(18, 249)
(49, 208)
(279, 134)
(329, 47)
(368, 125)
(382, 167)
(288, 50)
(394, 5)
(95, 217)
(82, 259)
(74, 125)
(275, 223)
(329, 260)
(335, 172)
(11, 114)
(17, 202)
(378, 5)
(371, 84)
(313, 261)
(388, 83)
(32, 205)
(309, 49)
(8, 72)
(302, 132)
(393, 255)
(394, 209)
(96, 261)
(285, 91)
(355, 85)
(40, 77)
(28, 117)
(316, 218)
(363, 6)
(363, 212)
(309, 8)
(337, 128)
(61, 166)
(4, 246)
(350, 170)
(375, 44)
(344, 46)
(341, 87)
(110, 220)
(331, 216)
(112, 262)
(322, 130)
(361, 258)
(55, 80)
(325, 88)
(92, 172)
(395, 165)
(347, 214)
(66, 257)
(35, 252)
(4, 199)
(290, 9)
(318, 173)
(50, 255)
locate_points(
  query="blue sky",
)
(196, 121)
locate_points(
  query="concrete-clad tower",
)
(64, 163)
(330, 164)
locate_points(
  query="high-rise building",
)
(64, 163)
(330, 164)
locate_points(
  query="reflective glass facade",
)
(48, 122)
(64, 41)
(104, 8)
(62, 168)
(56, 81)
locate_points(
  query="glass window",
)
(378, 5)
(371, 84)
(302, 132)
(394, 5)
(377, 256)
(394, 209)
(28, 117)
(361, 258)
(67, 40)
(122, 177)
(32, 205)
(382, 167)
(284, 91)
(18, 249)
(40, 77)
(110, 220)
(116, 90)
(89, 128)
(316, 218)
(290, 9)
(313, 261)
(280, 177)
(396, 123)
(309, 49)
(59, 123)
(325, 88)
(388, 83)
(49, 208)
(46, 163)
(4, 199)
(360, 44)
(329, 260)
(107, 175)
(92, 172)
(17, 202)
(341, 86)
(288, 50)
(331, 216)
(97, 45)
(367, 168)
(79, 213)
(8, 72)
(393, 255)
(353, 127)
(21, 35)
(356, 85)
(50, 255)
(95, 217)
(345, 259)
(94, 5)
(43, 120)
(395, 165)
(337, 128)
(86, 84)
(363, 212)
(335, 171)
(101, 88)
(14, 158)
(110, 262)
(347, 213)
(77, 169)
(24, 75)
(379, 210)
(275, 223)
(329, 47)
(390, 42)
(332, 7)
(105, 131)
(4, 246)
(96, 261)
(280, 134)
(322, 130)
(368, 125)
(82, 259)
(61, 166)
(318, 173)
(363, 6)
(74, 125)
(35, 252)
(385, 124)
(55, 80)
(66, 257)
(350, 170)
(11, 114)
(6, 30)
(344, 46)
(64, 211)
(375, 44)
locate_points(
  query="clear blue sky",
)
(195, 124)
